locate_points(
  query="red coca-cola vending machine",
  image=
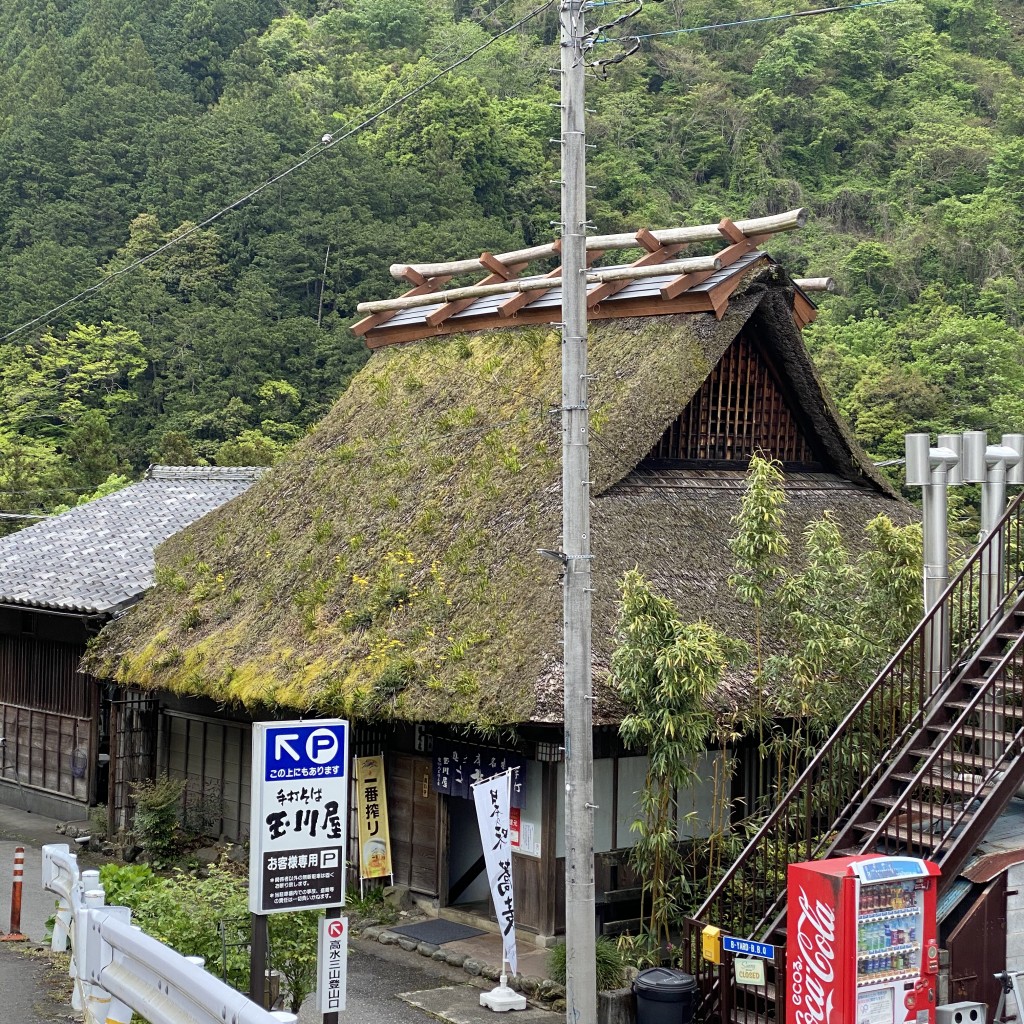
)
(862, 943)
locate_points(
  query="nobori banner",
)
(299, 815)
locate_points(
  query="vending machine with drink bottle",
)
(862, 942)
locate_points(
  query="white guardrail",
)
(118, 969)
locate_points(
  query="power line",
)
(746, 21)
(328, 142)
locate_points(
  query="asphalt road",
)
(374, 982)
(35, 989)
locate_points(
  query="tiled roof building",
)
(97, 558)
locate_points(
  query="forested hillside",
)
(125, 122)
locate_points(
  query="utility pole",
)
(580, 970)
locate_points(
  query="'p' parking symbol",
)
(322, 746)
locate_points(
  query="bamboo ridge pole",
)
(815, 284)
(791, 220)
(476, 291)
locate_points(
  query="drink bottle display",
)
(862, 946)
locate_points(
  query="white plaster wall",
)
(1015, 919)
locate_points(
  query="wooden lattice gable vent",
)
(741, 408)
(659, 282)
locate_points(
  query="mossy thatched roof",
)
(388, 566)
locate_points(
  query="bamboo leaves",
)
(667, 672)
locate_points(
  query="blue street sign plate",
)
(746, 947)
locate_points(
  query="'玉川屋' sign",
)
(299, 810)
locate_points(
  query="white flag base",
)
(503, 998)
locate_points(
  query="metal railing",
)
(975, 759)
(749, 900)
(118, 969)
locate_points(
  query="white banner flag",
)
(492, 801)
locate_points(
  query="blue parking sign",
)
(299, 812)
(312, 750)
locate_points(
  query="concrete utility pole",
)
(580, 970)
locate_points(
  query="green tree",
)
(51, 382)
(759, 544)
(666, 672)
(89, 448)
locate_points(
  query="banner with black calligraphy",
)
(372, 804)
(491, 797)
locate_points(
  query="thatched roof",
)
(389, 565)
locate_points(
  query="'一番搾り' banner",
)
(374, 841)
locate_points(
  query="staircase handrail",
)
(936, 618)
(994, 681)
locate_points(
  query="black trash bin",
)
(665, 996)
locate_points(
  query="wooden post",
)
(258, 960)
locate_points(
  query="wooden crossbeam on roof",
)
(688, 302)
(541, 284)
(728, 256)
(657, 253)
(498, 272)
(376, 319)
(523, 298)
(516, 303)
(788, 221)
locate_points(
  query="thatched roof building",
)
(388, 566)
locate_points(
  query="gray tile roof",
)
(98, 557)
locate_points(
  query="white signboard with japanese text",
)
(492, 814)
(299, 815)
(332, 964)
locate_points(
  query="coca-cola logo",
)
(812, 968)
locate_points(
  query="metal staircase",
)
(923, 764)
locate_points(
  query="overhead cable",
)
(746, 21)
(327, 142)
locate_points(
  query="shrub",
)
(209, 917)
(123, 883)
(608, 960)
(158, 811)
(170, 820)
(292, 939)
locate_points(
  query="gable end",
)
(741, 408)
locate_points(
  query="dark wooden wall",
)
(43, 674)
(47, 716)
(740, 409)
